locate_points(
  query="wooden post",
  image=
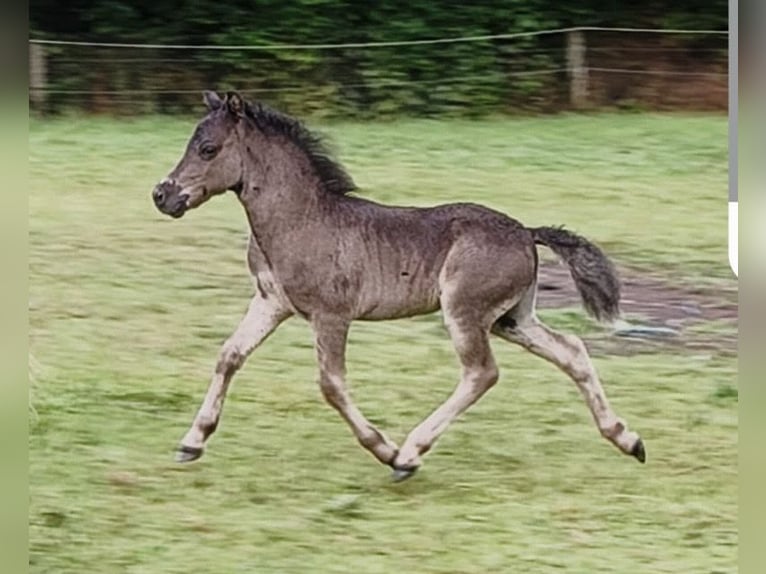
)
(38, 75)
(578, 71)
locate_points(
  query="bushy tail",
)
(594, 275)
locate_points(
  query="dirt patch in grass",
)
(704, 318)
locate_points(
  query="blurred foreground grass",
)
(128, 308)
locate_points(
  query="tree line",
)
(487, 76)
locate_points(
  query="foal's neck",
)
(280, 188)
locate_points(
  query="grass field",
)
(128, 309)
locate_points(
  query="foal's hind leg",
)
(331, 335)
(568, 352)
(263, 316)
(479, 374)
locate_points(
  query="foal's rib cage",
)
(332, 258)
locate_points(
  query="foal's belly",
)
(395, 310)
(399, 297)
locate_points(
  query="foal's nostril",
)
(159, 195)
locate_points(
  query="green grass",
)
(128, 308)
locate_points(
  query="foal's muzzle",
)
(169, 199)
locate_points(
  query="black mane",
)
(332, 175)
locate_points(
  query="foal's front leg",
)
(331, 335)
(262, 317)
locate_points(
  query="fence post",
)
(38, 75)
(578, 71)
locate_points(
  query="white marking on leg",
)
(334, 390)
(569, 353)
(330, 345)
(262, 317)
(479, 374)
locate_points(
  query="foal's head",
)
(212, 162)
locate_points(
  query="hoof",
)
(188, 453)
(403, 473)
(639, 452)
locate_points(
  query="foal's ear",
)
(212, 100)
(235, 104)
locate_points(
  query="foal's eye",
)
(207, 151)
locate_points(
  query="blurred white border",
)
(733, 136)
(733, 235)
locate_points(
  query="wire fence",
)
(543, 70)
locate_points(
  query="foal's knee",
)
(490, 376)
(230, 360)
(484, 377)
